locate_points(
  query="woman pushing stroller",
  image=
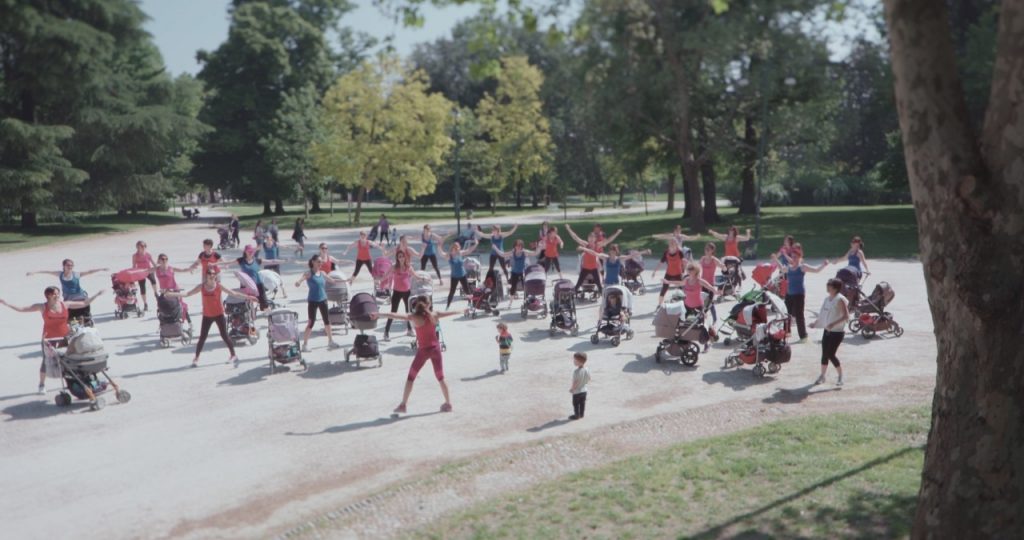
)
(692, 285)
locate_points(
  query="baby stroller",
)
(337, 294)
(360, 311)
(381, 285)
(472, 266)
(83, 315)
(730, 280)
(869, 316)
(616, 308)
(563, 308)
(79, 367)
(283, 338)
(173, 316)
(766, 277)
(126, 300)
(534, 285)
(487, 297)
(852, 280)
(632, 276)
(766, 350)
(227, 241)
(681, 335)
(241, 316)
(272, 283)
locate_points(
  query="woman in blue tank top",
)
(430, 242)
(316, 301)
(855, 256)
(519, 258)
(795, 293)
(458, 269)
(70, 286)
(497, 239)
(613, 261)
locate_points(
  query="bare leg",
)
(444, 391)
(408, 391)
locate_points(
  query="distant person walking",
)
(299, 235)
(384, 228)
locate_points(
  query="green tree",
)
(289, 146)
(383, 130)
(513, 120)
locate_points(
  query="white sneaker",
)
(821, 380)
(839, 381)
(42, 389)
(305, 348)
(333, 345)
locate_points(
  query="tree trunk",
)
(266, 207)
(622, 195)
(519, 195)
(707, 174)
(278, 206)
(359, 202)
(671, 191)
(29, 220)
(968, 195)
(748, 203)
(305, 207)
(315, 199)
(213, 196)
(687, 202)
(690, 173)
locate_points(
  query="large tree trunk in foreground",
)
(968, 195)
(748, 203)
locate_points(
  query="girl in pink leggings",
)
(424, 322)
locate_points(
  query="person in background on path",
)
(680, 238)
(142, 260)
(795, 293)
(518, 257)
(213, 311)
(785, 251)
(709, 265)
(363, 256)
(55, 321)
(424, 321)
(259, 234)
(731, 240)
(855, 256)
(316, 279)
(235, 226)
(165, 279)
(552, 243)
(580, 380)
(504, 339)
(430, 241)
(70, 284)
(458, 268)
(673, 259)
(207, 257)
(832, 318)
(384, 229)
(299, 235)
(272, 230)
(400, 276)
(497, 246)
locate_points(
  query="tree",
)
(289, 146)
(382, 130)
(513, 121)
(968, 192)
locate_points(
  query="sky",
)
(182, 27)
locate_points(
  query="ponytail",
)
(312, 264)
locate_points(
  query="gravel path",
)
(217, 452)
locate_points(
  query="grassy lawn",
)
(14, 237)
(888, 231)
(841, 476)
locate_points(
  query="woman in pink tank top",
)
(400, 276)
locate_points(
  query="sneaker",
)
(574, 417)
(446, 407)
(42, 389)
(821, 380)
(802, 340)
(234, 361)
(195, 363)
(333, 345)
(387, 337)
(305, 347)
(839, 381)
(400, 409)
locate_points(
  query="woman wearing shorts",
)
(673, 258)
(55, 321)
(424, 321)
(299, 235)
(316, 279)
(213, 311)
(430, 241)
(363, 257)
(142, 260)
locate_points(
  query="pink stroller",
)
(126, 300)
(381, 284)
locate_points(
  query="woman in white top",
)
(832, 318)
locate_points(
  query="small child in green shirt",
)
(504, 339)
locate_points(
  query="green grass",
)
(837, 476)
(403, 215)
(888, 231)
(13, 237)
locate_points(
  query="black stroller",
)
(486, 298)
(227, 240)
(869, 317)
(616, 309)
(731, 279)
(361, 309)
(632, 276)
(174, 322)
(563, 309)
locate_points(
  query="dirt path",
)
(217, 452)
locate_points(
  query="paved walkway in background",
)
(217, 452)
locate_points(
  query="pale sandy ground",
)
(217, 452)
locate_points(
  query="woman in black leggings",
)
(430, 241)
(213, 311)
(832, 317)
(401, 283)
(457, 264)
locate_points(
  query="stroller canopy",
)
(625, 297)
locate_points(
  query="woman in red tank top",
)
(55, 321)
(363, 258)
(213, 311)
(424, 322)
(732, 240)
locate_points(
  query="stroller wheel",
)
(186, 339)
(522, 312)
(253, 338)
(348, 355)
(897, 330)
(615, 341)
(139, 313)
(551, 331)
(97, 405)
(731, 361)
(659, 353)
(496, 313)
(412, 345)
(62, 399)
(759, 370)
(629, 334)
(164, 342)
(575, 330)
(594, 339)
(855, 326)
(123, 396)
(727, 341)
(773, 367)
(689, 358)
(473, 314)
(868, 332)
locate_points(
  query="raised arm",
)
(443, 314)
(54, 273)
(568, 228)
(28, 309)
(348, 247)
(815, 269)
(237, 294)
(179, 294)
(585, 249)
(79, 304)
(305, 276)
(611, 238)
(718, 236)
(470, 249)
(707, 286)
(511, 232)
(93, 271)
(744, 237)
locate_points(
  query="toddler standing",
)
(580, 379)
(504, 339)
